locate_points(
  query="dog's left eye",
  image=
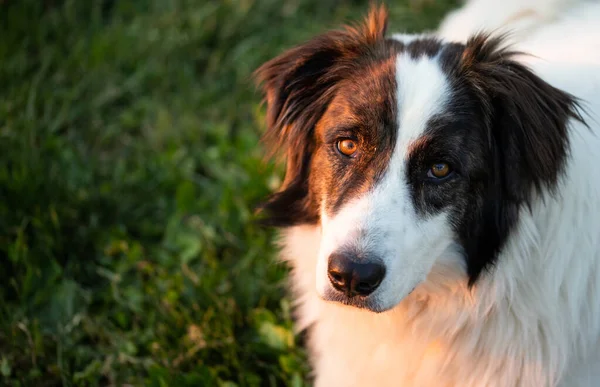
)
(439, 171)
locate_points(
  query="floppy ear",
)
(299, 85)
(528, 122)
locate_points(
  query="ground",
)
(130, 167)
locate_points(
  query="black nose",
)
(354, 278)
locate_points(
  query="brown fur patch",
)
(299, 86)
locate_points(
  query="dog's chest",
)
(351, 349)
(413, 345)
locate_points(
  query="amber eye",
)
(439, 170)
(347, 147)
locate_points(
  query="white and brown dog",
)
(441, 205)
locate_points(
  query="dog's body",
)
(505, 264)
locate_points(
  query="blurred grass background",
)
(129, 168)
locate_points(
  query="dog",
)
(441, 204)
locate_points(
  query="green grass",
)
(130, 165)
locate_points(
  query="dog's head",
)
(407, 150)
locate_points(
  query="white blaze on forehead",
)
(423, 91)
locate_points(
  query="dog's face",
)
(406, 152)
(392, 174)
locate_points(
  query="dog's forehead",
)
(366, 99)
(399, 91)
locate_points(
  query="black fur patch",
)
(505, 133)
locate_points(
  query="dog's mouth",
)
(359, 302)
(367, 303)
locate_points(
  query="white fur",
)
(520, 16)
(535, 319)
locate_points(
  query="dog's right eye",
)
(347, 147)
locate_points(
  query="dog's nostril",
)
(338, 280)
(367, 287)
(354, 278)
(363, 287)
(337, 277)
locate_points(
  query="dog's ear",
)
(527, 123)
(299, 84)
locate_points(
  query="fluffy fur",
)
(492, 276)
